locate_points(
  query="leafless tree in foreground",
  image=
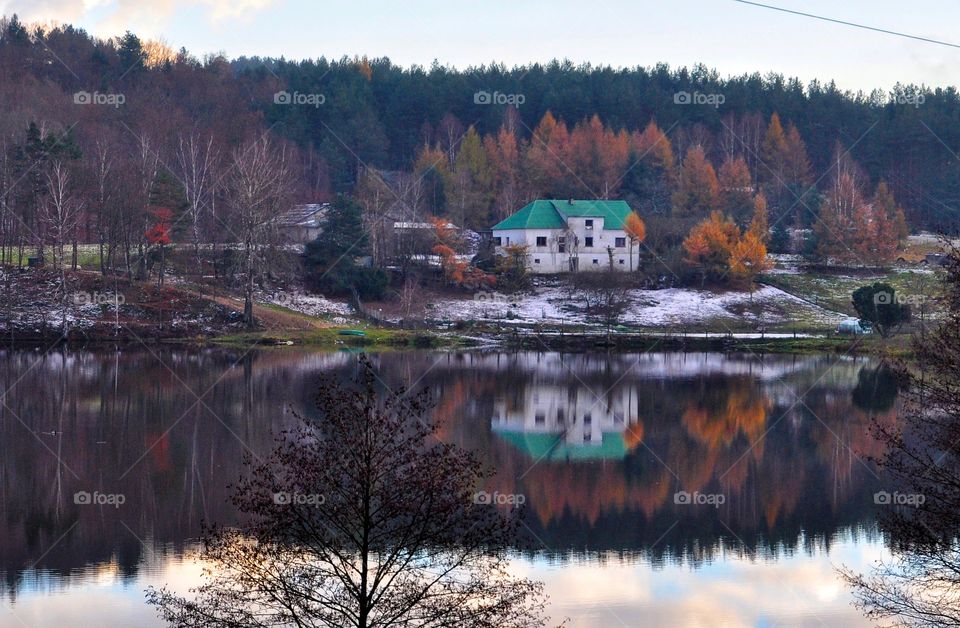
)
(920, 584)
(361, 518)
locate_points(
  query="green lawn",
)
(834, 291)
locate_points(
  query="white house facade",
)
(570, 236)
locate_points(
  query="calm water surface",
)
(603, 448)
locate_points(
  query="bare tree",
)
(362, 518)
(59, 209)
(197, 161)
(257, 192)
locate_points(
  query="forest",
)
(132, 145)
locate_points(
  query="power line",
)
(853, 24)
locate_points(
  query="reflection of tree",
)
(877, 388)
(920, 584)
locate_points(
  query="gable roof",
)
(553, 214)
(307, 215)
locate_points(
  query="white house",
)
(573, 235)
(559, 421)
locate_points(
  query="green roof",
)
(553, 214)
(552, 446)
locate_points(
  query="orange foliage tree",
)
(699, 190)
(636, 232)
(720, 251)
(456, 270)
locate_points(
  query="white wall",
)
(548, 260)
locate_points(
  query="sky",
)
(729, 36)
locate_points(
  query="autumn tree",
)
(760, 221)
(721, 251)
(709, 246)
(852, 229)
(886, 205)
(595, 161)
(736, 189)
(636, 232)
(361, 517)
(503, 154)
(455, 270)
(546, 158)
(699, 191)
(159, 235)
(650, 177)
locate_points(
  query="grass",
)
(330, 338)
(833, 292)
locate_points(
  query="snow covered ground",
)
(310, 304)
(669, 308)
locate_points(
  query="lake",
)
(681, 489)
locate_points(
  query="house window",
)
(498, 242)
(587, 437)
(562, 244)
(541, 241)
(588, 242)
(561, 416)
(587, 418)
(595, 261)
(621, 262)
(621, 242)
(540, 418)
(588, 224)
(536, 260)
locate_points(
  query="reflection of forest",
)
(125, 423)
(784, 467)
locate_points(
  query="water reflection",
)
(599, 445)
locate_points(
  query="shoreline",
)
(379, 338)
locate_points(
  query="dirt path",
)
(270, 318)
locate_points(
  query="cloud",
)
(112, 17)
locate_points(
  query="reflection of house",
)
(563, 236)
(302, 223)
(552, 422)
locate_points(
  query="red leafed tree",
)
(158, 235)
